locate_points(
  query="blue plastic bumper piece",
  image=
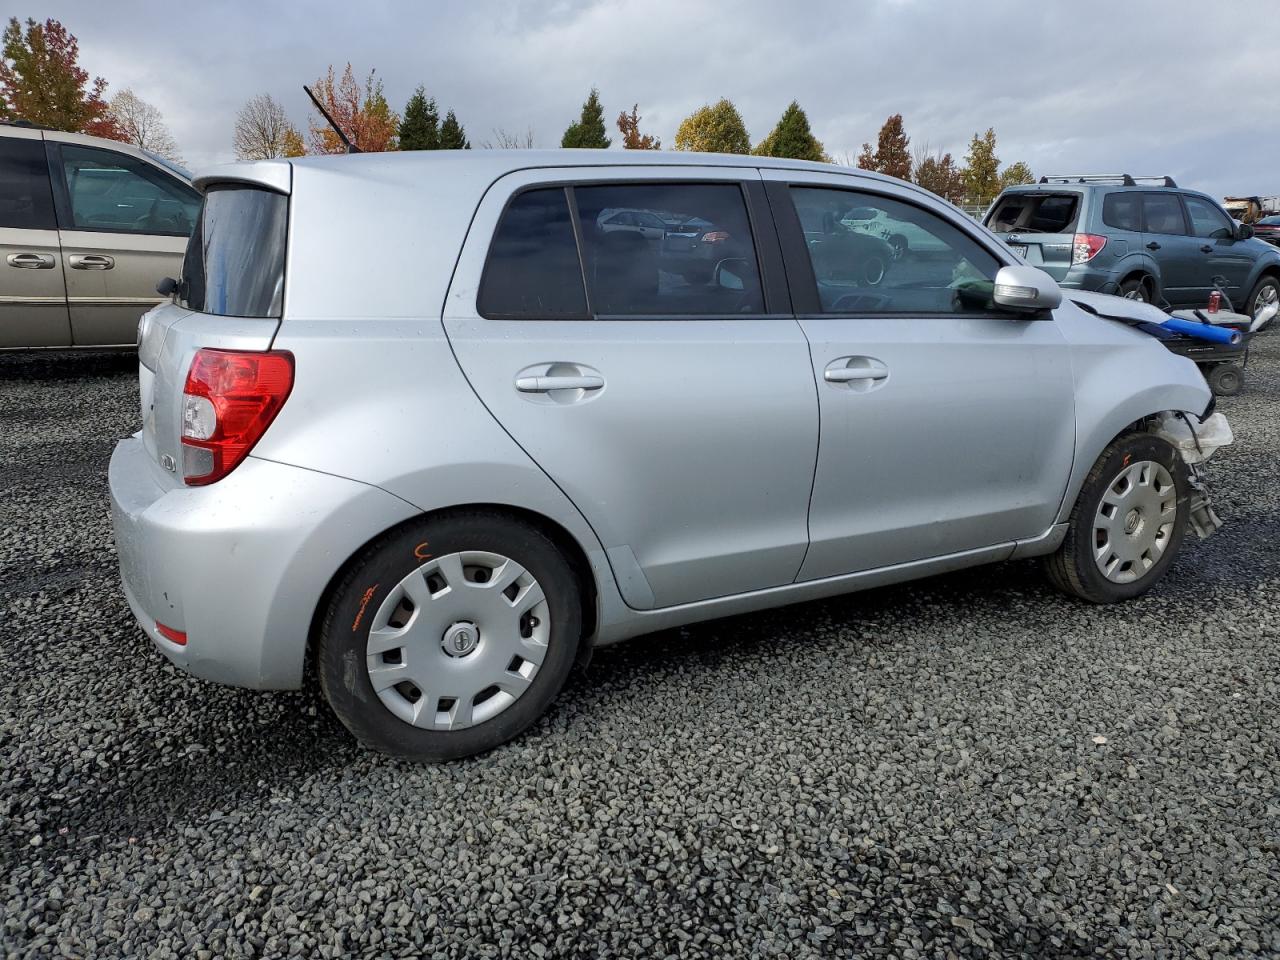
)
(1202, 331)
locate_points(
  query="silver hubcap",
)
(1137, 293)
(1268, 295)
(1134, 522)
(458, 640)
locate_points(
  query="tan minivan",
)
(87, 228)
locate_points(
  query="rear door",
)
(1039, 226)
(33, 295)
(1222, 254)
(1184, 279)
(947, 425)
(124, 226)
(677, 414)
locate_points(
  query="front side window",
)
(1163, 214)
(1208, 221)
(1123, 211)
(685, 250)
(533, 271)
(874, 254)
(234, 265)
(115, 192)
(26, 200)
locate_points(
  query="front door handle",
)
(849, 374)
(1206, 249)
(547, 384)
(90, 261)
(1153, 245)
(30, 261)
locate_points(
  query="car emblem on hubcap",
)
(460, 639)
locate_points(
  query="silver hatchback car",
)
(420, 424)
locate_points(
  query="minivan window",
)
(114, 192)
(1207, 220)
(26, 199)
(686, 251)
(533, 270)
(1035, 212)
(1122, 211)
(873, 254)
(234, 265)
(1163, 214)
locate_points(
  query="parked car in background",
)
(1268, 229)
(87, 228)
(440, 475)
(1251, 209)
(1144, 240)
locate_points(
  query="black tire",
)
(898, 244)
(1225, 379)
(1135, 289)
(1252, 305)
(370, 577)
(1072, 568)
(871, 271)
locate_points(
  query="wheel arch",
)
(1148, 279)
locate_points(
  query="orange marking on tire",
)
(364, 602)
(420, 551)
(1127, 458)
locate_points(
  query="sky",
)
(1186, 88)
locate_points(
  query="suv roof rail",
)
(1124, 178)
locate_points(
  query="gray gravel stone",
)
(971, 766)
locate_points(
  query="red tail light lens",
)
(715, 236)
(230, 399)
(1086, 247)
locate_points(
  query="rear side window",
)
(1123, 211)
(1162, 213)
(684, 250)
(114, 192)
(533, 270)
(26, 199)
(1035, 213)
(234, 265)
(1207, 220)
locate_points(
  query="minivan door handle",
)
(90, 261)
(1153, 245)
(30, 261)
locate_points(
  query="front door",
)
(33, 297)
(670, 395)
(125, 225)
(1222, 255)
(947, 425)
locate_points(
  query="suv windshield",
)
(1035, 212)
(235, 259)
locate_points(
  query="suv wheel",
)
(1265, 292)
(449, 636)
(1135, 289)
(1127, 524)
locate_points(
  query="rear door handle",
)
(90, 261)
(1206, 249)
(1153, 245)
(838, 372)
(30, 261)
(547, 384)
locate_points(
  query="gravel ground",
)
(966, 767)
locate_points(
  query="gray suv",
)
(418, 424)
(1140, 237)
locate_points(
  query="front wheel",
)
(1127, 524)
(1265, 292)
(449, 636)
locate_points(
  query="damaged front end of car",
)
(1196, 440)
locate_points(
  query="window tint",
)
(26, 201)
(1033, 212)
(1207, 220)
(701, 263)
(1163, 214)
(234, 265)
(533, 270)
(1123, 211)
(115, 192)
(872, 254)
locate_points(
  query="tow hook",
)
(1204, 521)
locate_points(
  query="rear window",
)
(1035, 213)
(26, 199)
(1123, 211)
(234, 265)
(533, 269)
(1162, 213)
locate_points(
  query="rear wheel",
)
(1265, 292)
(1135, 289)
(449, 636)
(1127, 524)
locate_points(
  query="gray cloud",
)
(1183, 87)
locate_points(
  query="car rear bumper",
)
(238, 566)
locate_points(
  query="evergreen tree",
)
(452, 135)
(588, 132)
(792, 138)
(420, 128)
(1016, 173)
(715, 128)
(982, 168)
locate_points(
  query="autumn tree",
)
(1016, 173)
(452, 134)
(263, 130)
(41, 81)
(420, 128)
(715, 128)
(632, 138)
(141, 124)
(363, 114)
(938, 173)
(981, 168)
(891, 155)
(588, 131)
(792, 138)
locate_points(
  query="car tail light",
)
(1086, 246)
(715, 236)
(230, 398)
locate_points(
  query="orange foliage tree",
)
(41, 81)
(363, 114)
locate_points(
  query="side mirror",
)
(729, 274)
(1026, 288)
(1244, 231)
(167, 287)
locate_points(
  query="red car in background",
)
(1268, 229)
